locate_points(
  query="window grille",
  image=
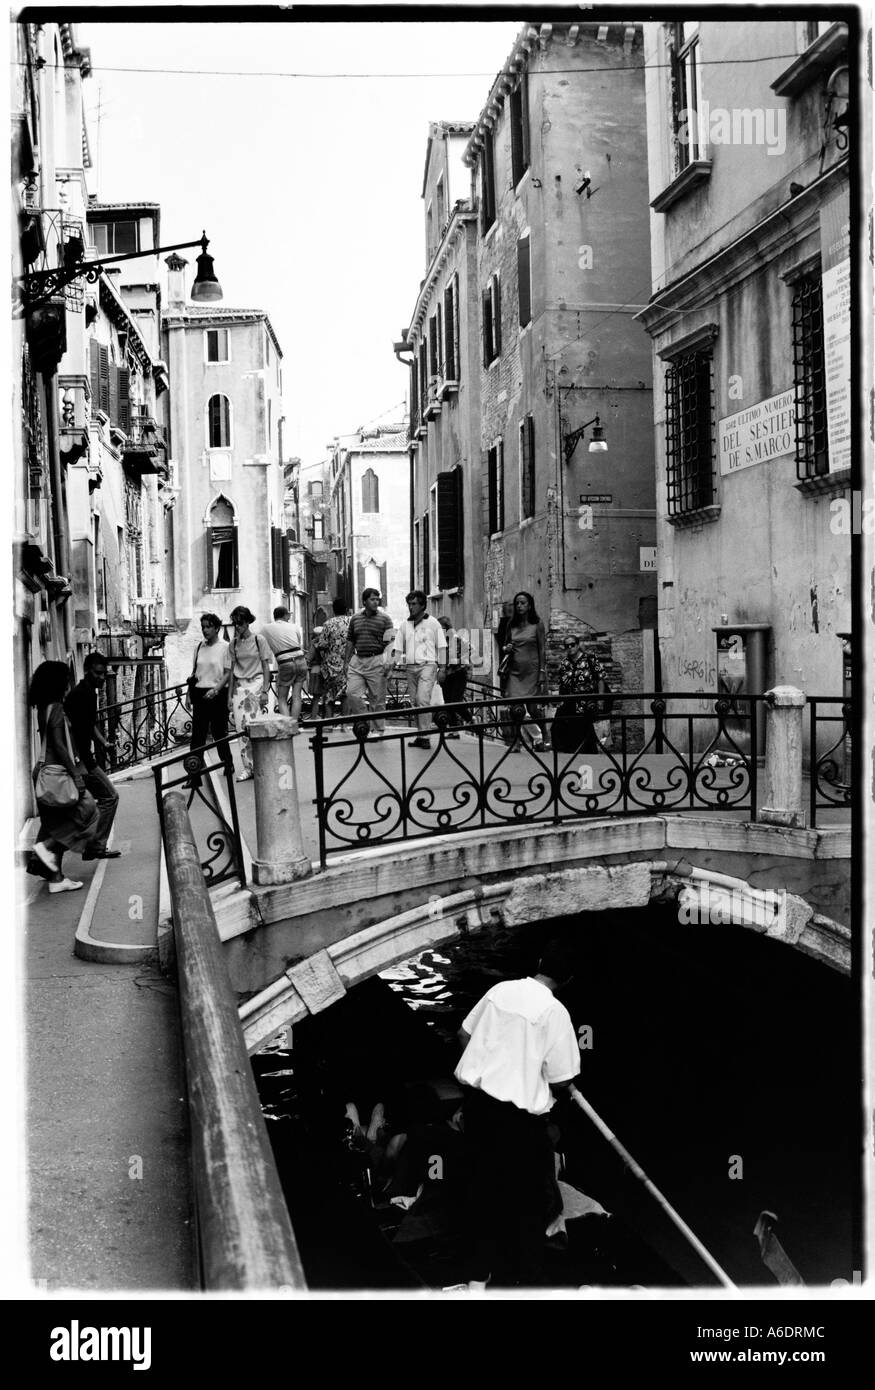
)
(809, 371)
(689, 442)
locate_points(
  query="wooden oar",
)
(638, 1172)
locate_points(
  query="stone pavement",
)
(107, 1145)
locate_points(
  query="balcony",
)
(433, 398)
(145, 451)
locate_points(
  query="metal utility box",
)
(743, 651)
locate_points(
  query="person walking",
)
(519, 1048)
(284, 639)
(61, 827)
(526, 646)
(250, 680)
(364, 668)
(334, 635)
(208, 690)
(580, 674)
(455, 679)
(81, 709)
(422, 646)
(500, 639)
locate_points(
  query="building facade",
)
(750, 323)
(227, 542)
(443, 339)
(370, 515)
(560, 164)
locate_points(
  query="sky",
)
(308, 186)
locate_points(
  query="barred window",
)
(812, 444)
(689, 444)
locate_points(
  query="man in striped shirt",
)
(365, 669)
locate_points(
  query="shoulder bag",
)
(55, 789)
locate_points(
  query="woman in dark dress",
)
(63, 827)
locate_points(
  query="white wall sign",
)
(647, 558)
(763, 432)
(835, 244)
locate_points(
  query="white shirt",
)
(420, 642)
(212, 664)
(522, 1038)
(280, 635)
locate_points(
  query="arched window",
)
(370, 492)
(373, 575)
(221, 546)
(219, 422)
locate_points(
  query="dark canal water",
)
(726, 1063)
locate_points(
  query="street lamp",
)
(39, 286)
(597, 444)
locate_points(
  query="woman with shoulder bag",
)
(68, 812)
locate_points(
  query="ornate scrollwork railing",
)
(497, 762)
(830, 760)
(213, 813)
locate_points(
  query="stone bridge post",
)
(782, 782)
(280, 856)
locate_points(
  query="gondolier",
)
(520, 1047)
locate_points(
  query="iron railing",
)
(143, 728)
(372, 790)
(830, 777)
(215, 825)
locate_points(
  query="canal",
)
(727, 1063)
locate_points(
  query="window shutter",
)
(100, 376)
(426, 554)
(456, 357)
(235, 573)
(113, 395)
(260, 412)
(208, 558)
(496, 316)
(414, 398)
(95, 373)
(524, 276)
(439, 337)
(124, 399)
(383, 581)
(486, 316)
(451, 370)
(447, 538)
(287, 562)
(423, 377)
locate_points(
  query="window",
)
(429, 234)
(491, 316)
(451, 330)
(447, 507)
(519, 128)
(278, 559)
(120, 397)
(441, 205)
(688, 106)
(217, 345)
(219, 422)
(221, 546)
(370, 491)
(689, 447)
(434, 363)
(417, 552)
(487, 184)
(524, 276)
(425, 555)
(495, 481)
(433, 529)
(314, 489)
(812, 442)
(100, 391)
(813, 28)
(318, 528)
(423, 378)
(527, 468)
(114, 238)
(414, 398)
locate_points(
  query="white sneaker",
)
(45, 856)
(66, 885)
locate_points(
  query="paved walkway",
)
(107, 1145)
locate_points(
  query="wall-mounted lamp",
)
(39, 286)
(597, 444)
(836, 116)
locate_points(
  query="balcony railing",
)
(145, 449)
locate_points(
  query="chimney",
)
(176, 281)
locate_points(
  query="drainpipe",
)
(59, 502)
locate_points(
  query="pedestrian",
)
(334, 635)
(250, 680)
(455, 679)
(422, 647)
(284, 639)
(68, 827)
(581, 673)
(520, 1047)
(208, 690)
(365, 670)
(81, 709)
(500, 639)
(315, 684)
(526, 645)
